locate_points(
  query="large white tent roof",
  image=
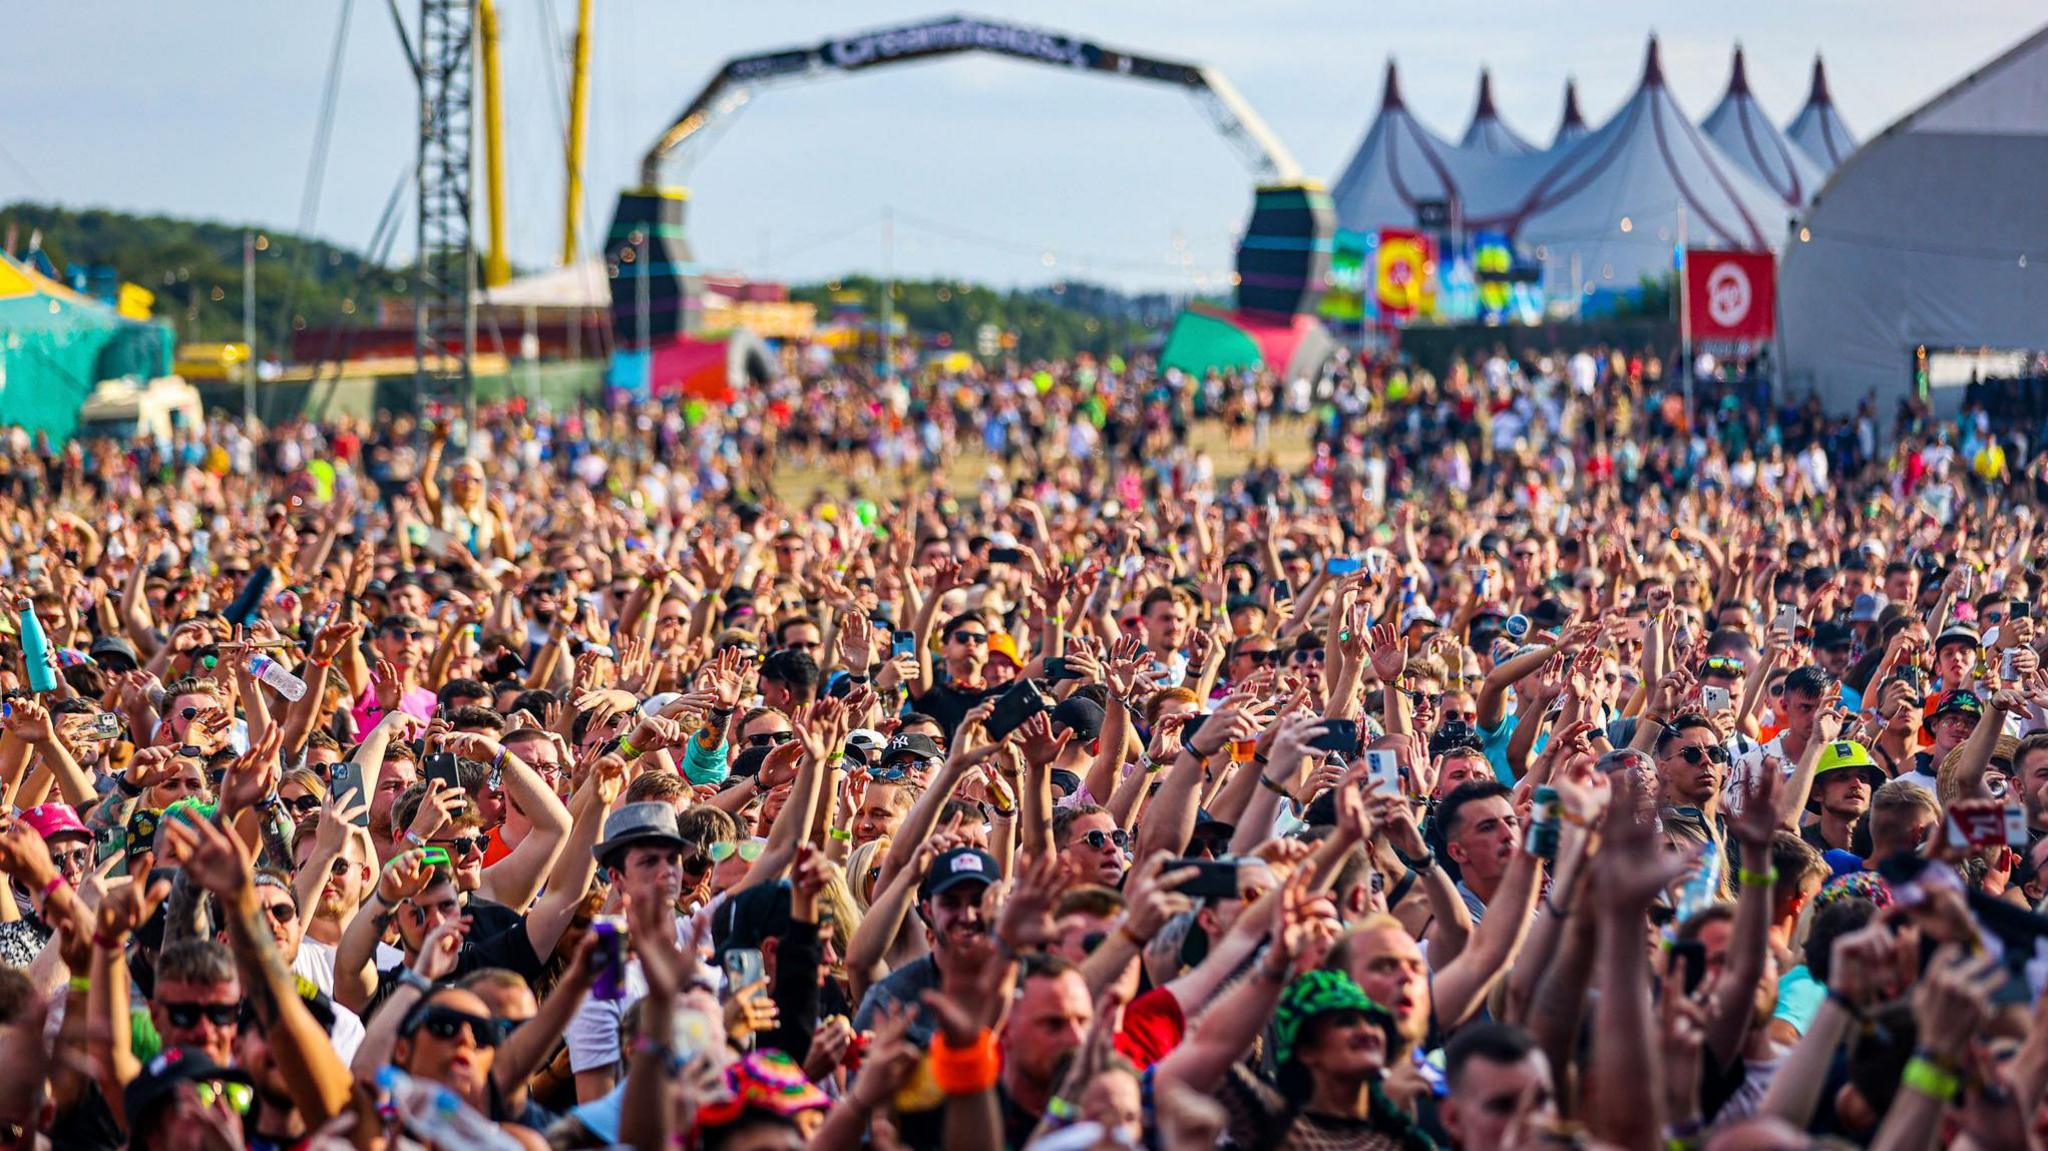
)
(1487, 134)
(1818, 129)
(1399, 165)
(1738, 124)
(1929, 236)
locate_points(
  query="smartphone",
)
(1056, 669)
(1343, 566)
(1715, 699)
(1213, 878)
(1190, 726)
(441, 765)
(2006, 671)
(1383, 772)
(1340, 736)
(742, 967)
(2019, 609)
(1690, 958)
(1006, 555)
(904, 643)
(1015, 706)
(346, 784)
(1787, 619)
(436, 857)
(1282, 589)
(609, 962)
(106, 725)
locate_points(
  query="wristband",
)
(967, 1070)
(1842, 1001)
(1058, 1108)
(834, 759)
(1931, 1079)
(80, 984)
(1269, 785)
(108, 942)
(407, 977)
(1748, 878)
(50, 888)
(840, 834)
(644, 1047)
(1124, 929)
(627, 749)
(413, 837)
(131, 790)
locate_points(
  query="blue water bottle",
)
(35, 651)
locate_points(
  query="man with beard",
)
(333, 868)
(1040, 1036)
(1843, 781)
(280, 909)
(1691, 761)
(950, 904)
(642, 852)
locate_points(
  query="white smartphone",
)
(1715, 698)
(1787, 620)
(1383, 771)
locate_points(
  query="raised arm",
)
(515, 879)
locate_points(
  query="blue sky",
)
(998, 170)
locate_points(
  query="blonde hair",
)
(867, 855)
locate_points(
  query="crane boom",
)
(497, 260)
(579, 105)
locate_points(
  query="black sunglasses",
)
(1261, 658)
(304, 805)
(1308, 655)
(1694, 754)
(1098, 839)
(459, 845)
(445, 1022)
(970, 637)
(770, 738)
(189, 1014)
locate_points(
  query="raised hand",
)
(1389, 655)
(1023, 917)
(1152, 897)
(442, 947)
(405, 876)
(214, 857)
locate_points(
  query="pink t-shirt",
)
(417, 702)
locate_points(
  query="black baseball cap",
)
(958, 866)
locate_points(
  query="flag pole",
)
(1685, 319)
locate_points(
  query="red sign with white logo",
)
(1731, 295)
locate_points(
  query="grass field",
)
(1289, 446)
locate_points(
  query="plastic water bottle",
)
(35, 652)
(273, 673)
(1704, 888)
(439, 1117)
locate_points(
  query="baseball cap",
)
(1079, 714)
(913, 745)
(1958, 632)
(54, 819)
(958, 866)
(1003, 644)
(1866, 607)
(1830, 635)
(160, 1078)
(1550, 615)
(114, 653)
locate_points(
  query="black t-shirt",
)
(508, 948)
(949, 704)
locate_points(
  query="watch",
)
(1419, 864)
(407, 977)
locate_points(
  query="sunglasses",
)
(1215, 845)
(970, 637)
(770, 738)
(1308, 655)
(446, 1023)
(238, 1095)
(1722, 665)
(808, 645)
(724, 850)
(72, 857)
(403, 633)
(189, 1014)
(281, 911)
(463, 844)
(304, 805)
(1469, 718)
(1260, 658)
(1696, 755)
(1099, 839)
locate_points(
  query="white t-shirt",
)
(593, 1032)
(315, 963)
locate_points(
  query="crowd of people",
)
(1535, 761)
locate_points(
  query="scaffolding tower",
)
(444, 283)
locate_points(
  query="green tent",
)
(1202, 340)
(56, 344)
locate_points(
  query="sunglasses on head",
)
(1099, 839)
(463, 844)
(1695, 755)
(189, 1014)
(970, 637)
(446, 1022)
(724, 850)
(770, 738)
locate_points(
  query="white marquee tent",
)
(1399, 165)
(1488, 135)
(1739, 126)
(1931, 235)
(1818, 128)
(1572, 124)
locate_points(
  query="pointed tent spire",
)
(1485, 109)
(1572, 117)
(1738, 81)
(1819, 96)
(1653, 68)
(1390, 96)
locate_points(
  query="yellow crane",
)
(497, 261)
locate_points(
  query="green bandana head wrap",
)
(1320, 993)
